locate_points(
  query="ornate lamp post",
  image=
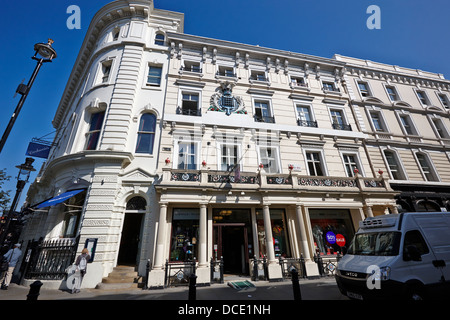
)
(43, 53)
(25, 170)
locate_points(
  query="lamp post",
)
(25, 170)
(43, 53)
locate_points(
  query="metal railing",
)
(288, 264)
(216, 268)
(259, 269)
(178, 273)
(50, 259)
(327, 265)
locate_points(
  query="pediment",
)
(137, 176)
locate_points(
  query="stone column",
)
(368, 211)
(159, 255)
(303, 240)
(268, 231)
(202, 260)
(273, 267)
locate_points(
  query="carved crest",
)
(226, 102)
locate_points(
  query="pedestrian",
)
(81, 264)
(12, 256)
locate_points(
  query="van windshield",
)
(375, 244)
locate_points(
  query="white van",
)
(404, 255)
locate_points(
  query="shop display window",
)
(332, 230)
(185, 234)
(279, 233)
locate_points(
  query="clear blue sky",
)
(413, 34)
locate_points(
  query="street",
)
(317, 289)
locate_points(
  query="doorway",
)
(129, 242)
(231, 243)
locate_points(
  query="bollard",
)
(35, 287)
(192, 287)
(296, 285)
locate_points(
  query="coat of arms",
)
(226, 102)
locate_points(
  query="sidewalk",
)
(319, 289)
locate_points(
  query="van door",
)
(436, 230)
(420, 260)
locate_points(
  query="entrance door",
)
(129, 243)
(231, 242)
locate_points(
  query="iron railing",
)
(178, 273)
(327, 266)
(288, 264)
(259, 269)
(216, 268)
(50, 259)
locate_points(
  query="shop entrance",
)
(231, 243)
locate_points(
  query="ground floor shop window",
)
(331, 229)
(279, 233)
(185, 234)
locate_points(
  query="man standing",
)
(12, 256)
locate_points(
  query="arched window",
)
(427, 206)
(146, 133)
(136, 203)
(159, 39)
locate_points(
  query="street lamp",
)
(43, 53)
(25, 170)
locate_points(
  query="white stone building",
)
(107, 139)
(189, 147)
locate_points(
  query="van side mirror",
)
(411, 253)
(344, 250)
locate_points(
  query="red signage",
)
(340, 240)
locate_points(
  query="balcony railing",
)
(305, 123)
(257, 180)
(265, 119)
(189, 112)
(339, 126)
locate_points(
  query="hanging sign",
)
(38, 150)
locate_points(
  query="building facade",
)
(405, 114)
(261, 156)
(107, 140)
(178, 149)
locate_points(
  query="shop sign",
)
(340, 240)
(331, 237)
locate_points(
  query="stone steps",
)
(121, 277)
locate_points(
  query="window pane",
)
(185, 234)
(96, 121)
(148, 122)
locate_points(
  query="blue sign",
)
(38, 150)
(331, 237)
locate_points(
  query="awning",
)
(58, 199)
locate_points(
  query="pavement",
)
(316, 289)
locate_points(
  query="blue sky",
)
(413, 34)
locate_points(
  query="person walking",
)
(12, 256)
(81, 264)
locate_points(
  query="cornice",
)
(264, 51)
